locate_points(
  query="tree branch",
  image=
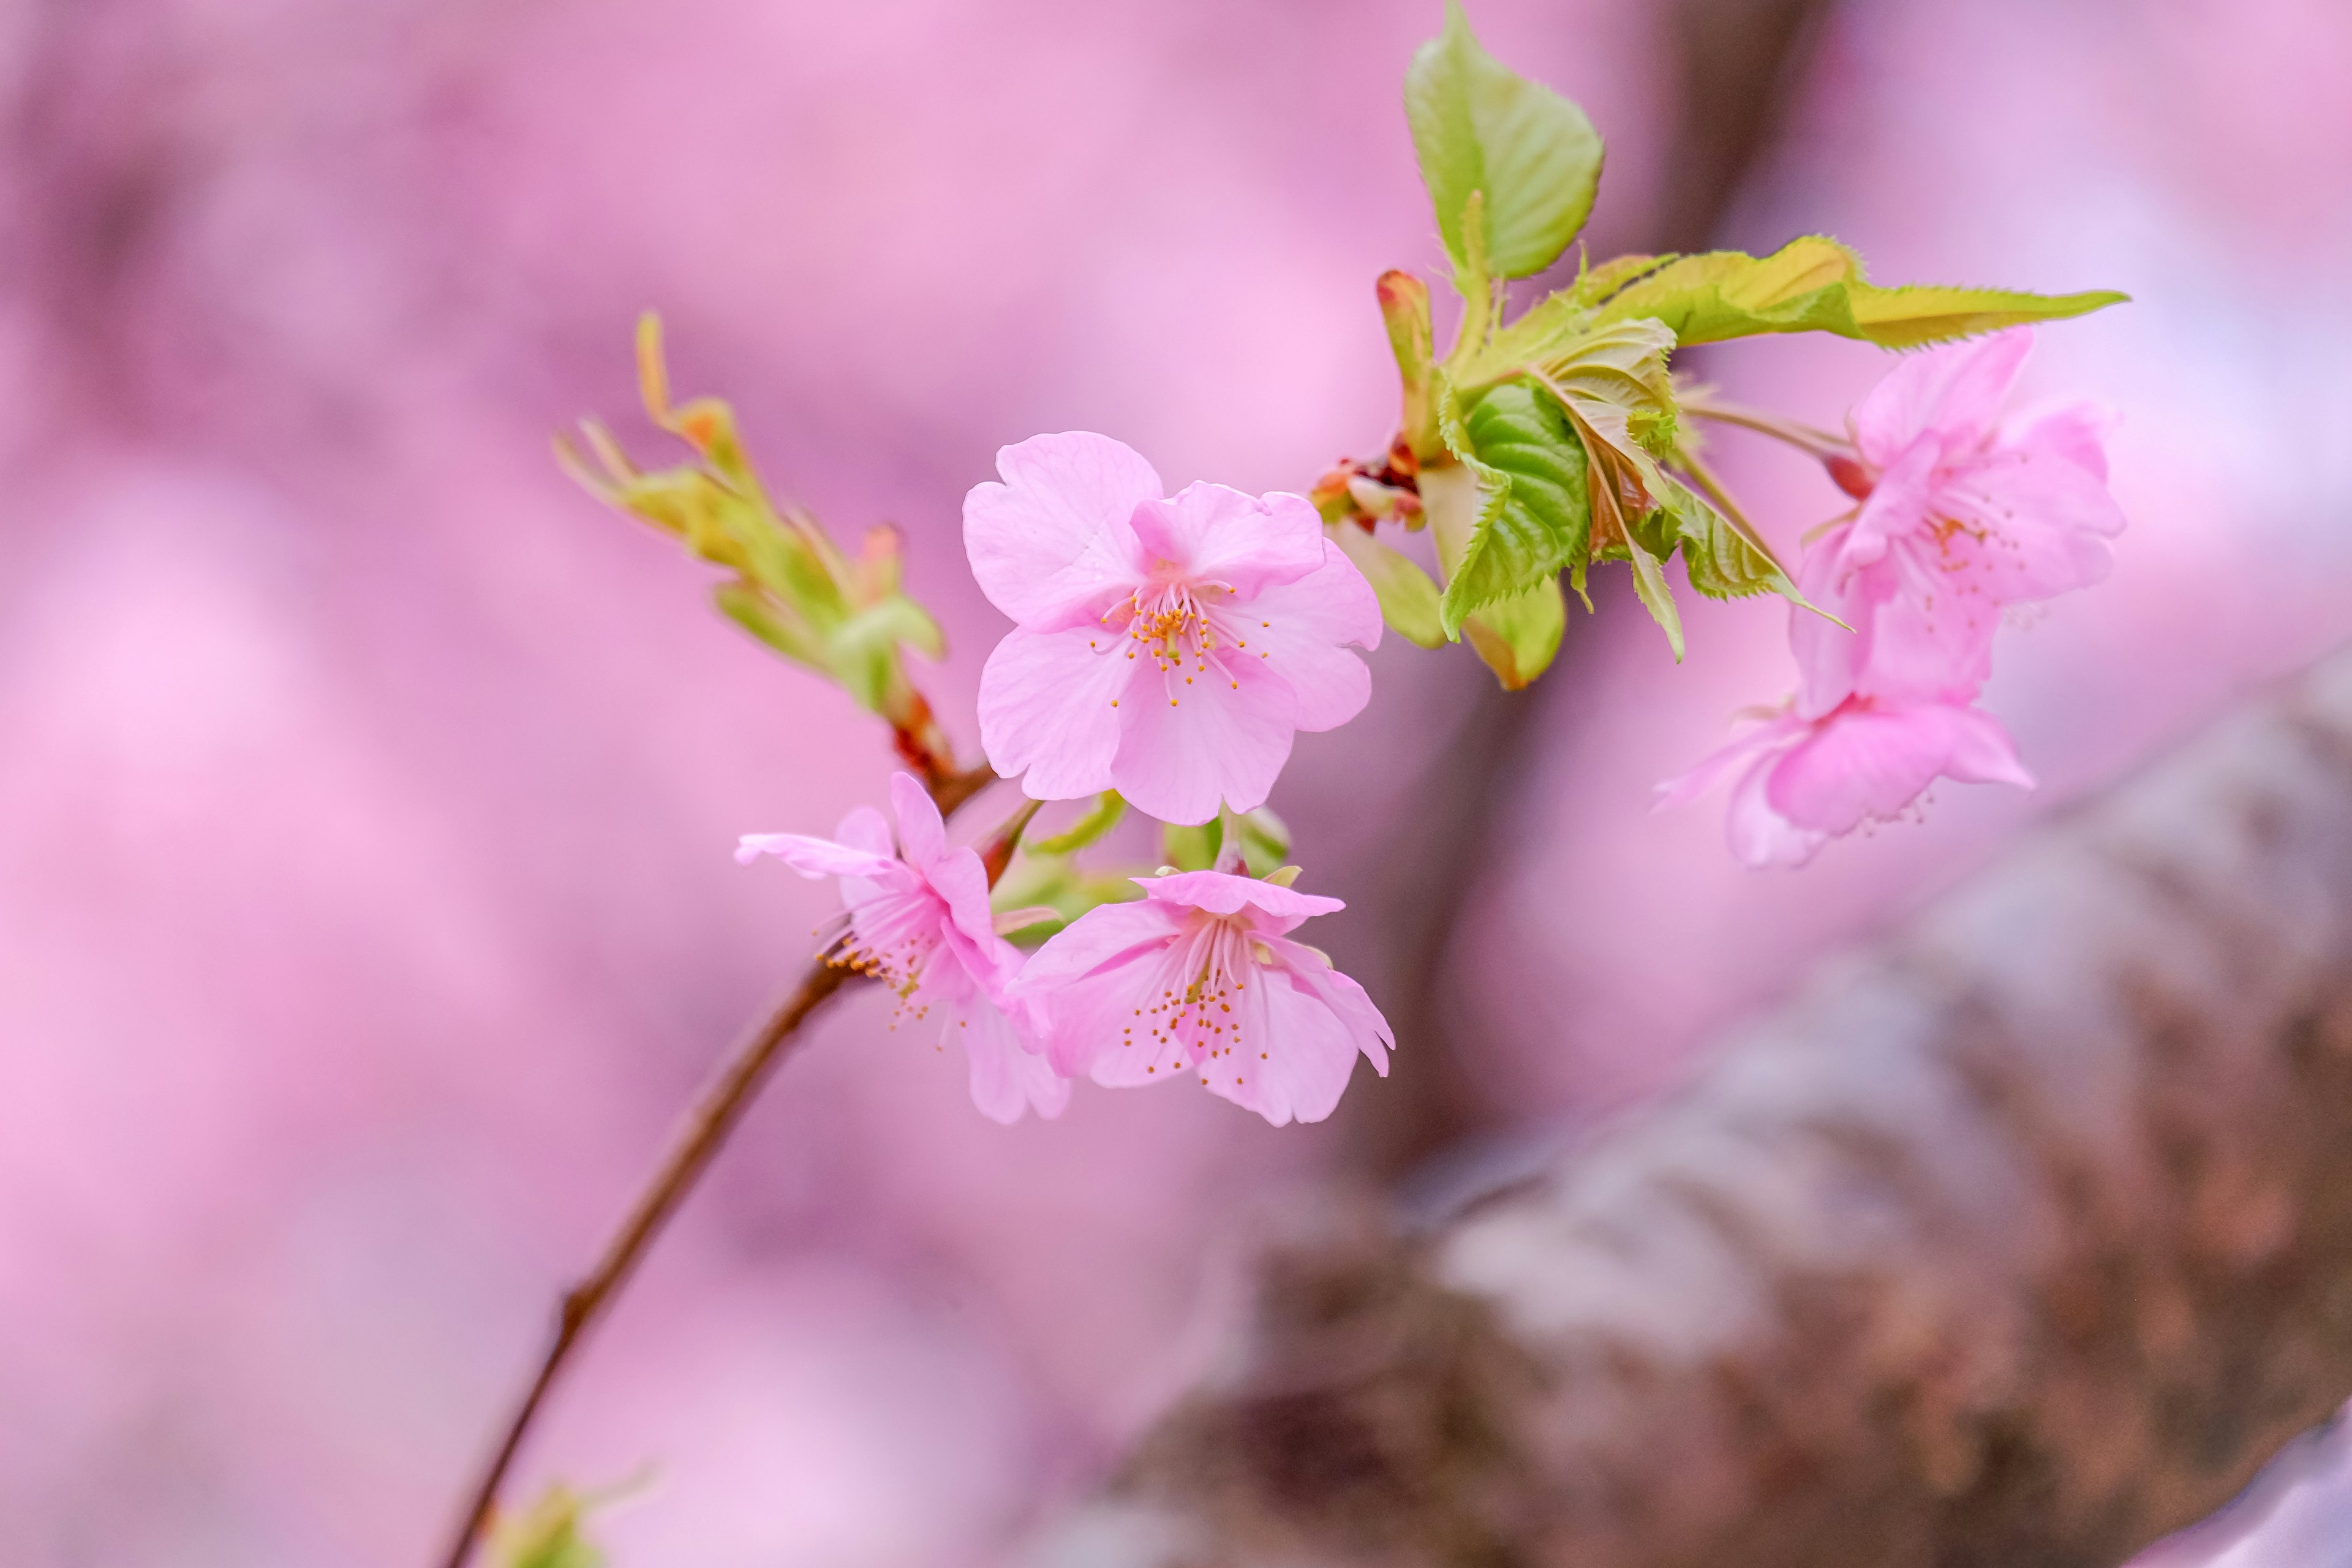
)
(2025, 1241)
(699, 1139)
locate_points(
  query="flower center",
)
(891, 939)
(1199, 990)
(1187, 628)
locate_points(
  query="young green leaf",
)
(1479, 127)
(1408, 598)
(1099, 820)
(545, 1535)
(1721, 563)
(1533, 517)
(1815, 284)
(1518, 637)
(1650, 584)
(1263, 839)
(1194, 848)
(1404, 308)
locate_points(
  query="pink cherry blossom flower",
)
(1960, 517)
(1166, 648)
(1201, 980)
(1798, 781)
(918, 922)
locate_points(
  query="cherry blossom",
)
(918, 922)
(1199, 979)
(1168, 649)
(1959, 517)
(1798, 781)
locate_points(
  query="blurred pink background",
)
(366, 910)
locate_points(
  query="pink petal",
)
(2075, 430)
(923, 831)
(1761, 836)
(814, 857)
(1006, 1079)
(1221, 893)
(1867, 762)
(1954, 391)
(1919, 634)
(1348, 1000)
(1184, 748)
(863, 828)
(1051, 546)
(1926, 636)
(2032, 525)
(1046, 708)
(1758, 739)
(1305, 1053)
(1301, 627)
(961, 883)
(1213, 534)
(1896, 508)
(1082, 983)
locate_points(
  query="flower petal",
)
(1006, 1079)
(1954, 391)
(2075, 429)
(1761, 836)
(1080, 980)
(1758, 739)
(863, 827)
(1214, 534)
(1896, 508)
(923, 831)
(1221, 893)
(813, 857)
(1871, 763)
(2027, 522)
(1046, 708)
(1051, 546)
(961, 883)
(1300, 627)
(1183, 748)
(1296, 1065)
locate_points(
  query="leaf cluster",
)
(844, 616)
(1566, 417)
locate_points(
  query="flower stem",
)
(1804, 437)
(697, 1141)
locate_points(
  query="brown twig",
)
(699, 1138)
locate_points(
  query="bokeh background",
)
(366, 793)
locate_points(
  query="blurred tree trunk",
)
(2022, 1242)
(1735, 65)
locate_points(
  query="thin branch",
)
(1805, 437)
(697, 1142)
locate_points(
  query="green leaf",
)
(1194, 848)
(1533, 517)
(1054, 882)
(1650, 584)
(862, 651)
(1108, 808)
(1520, 637)
(773, 624)
(1404, 310)
(1264, 841)
(547, 1535)
(1479, 127)
(1408, 598)
(1720, 562)
(1815, 284)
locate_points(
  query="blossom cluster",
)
(1961, 515)
(1170, 648)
